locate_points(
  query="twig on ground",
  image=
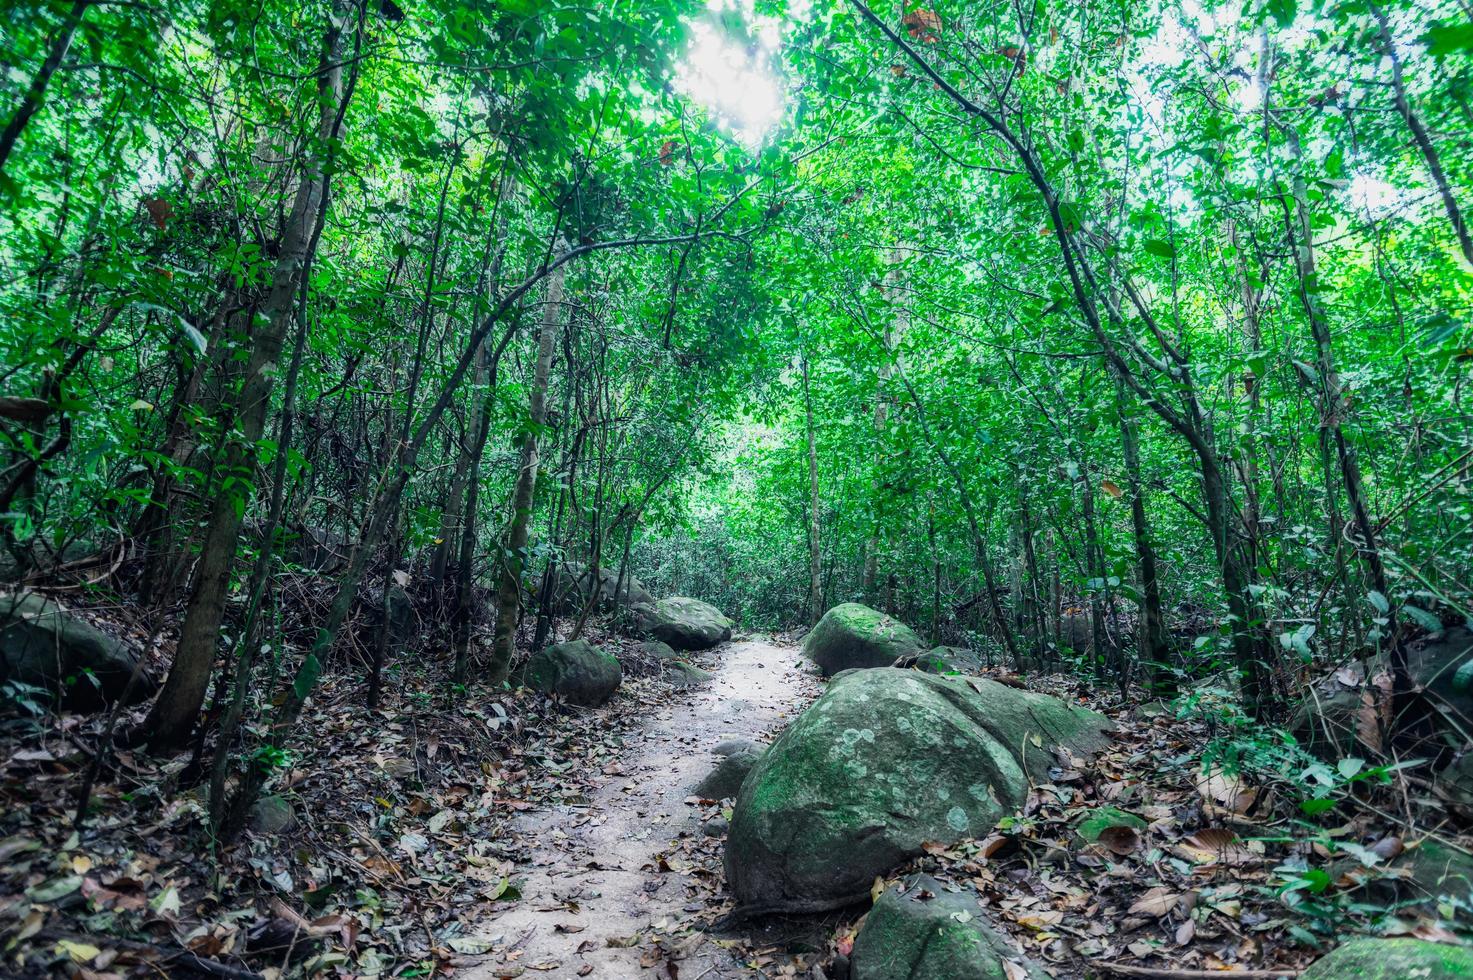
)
(1167, 973)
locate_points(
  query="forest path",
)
(597, 879)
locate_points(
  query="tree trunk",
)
(894, 330)
(30, 103)
(815, 553)
(1423, 139)
(1333, 410)
(514, 547)
(178, 704)
(1151, 638)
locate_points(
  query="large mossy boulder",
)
(44, 646)
(854, 635)
(1392, 959)
(682, 622)
(885, 761)
(924, 931)
(1435, 870)
(573, 586)
(577, 671)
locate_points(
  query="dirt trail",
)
(629, 822)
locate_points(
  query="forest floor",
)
(624, 883)
(490, 835)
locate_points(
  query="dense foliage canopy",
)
(1125, 333)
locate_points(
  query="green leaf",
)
(1282, 11)
(1422, 618)
(1157, 246)
(1463, 679)
(1316, 806)
(1445, 39)
(306, 678)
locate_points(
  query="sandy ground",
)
(595, 875)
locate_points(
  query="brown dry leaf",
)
(923, 25)
(159, 211)
(1217, 844)
(1372, 717)
(1229, 791)
(1186, 931)
(1120, 840)
(877, 889)
(667, 151)
(1112, 489)
(1388, 848)
(991, 845)
(1039, 921)
(1157, 902)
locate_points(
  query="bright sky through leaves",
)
(734, 78)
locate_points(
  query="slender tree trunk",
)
(1094, 563)
(245, 654)
(1249, 640)
(935, 571)
(1151, 640)
(1333, 410)
(514, 548)
(979, 542)
(815, 552)
(1033, 612)
(1423, 139)
(178, 704)
(894, 330)
(30, 103)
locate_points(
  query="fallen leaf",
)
(1156, 902)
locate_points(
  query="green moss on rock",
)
(854, 635)
(577, 671)
(683, 623)
(885, 761)
(1392, 959)
(924, 931)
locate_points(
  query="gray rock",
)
(923, 930)
(573, 586)
(680, 674)
(683, 622)
(944, 660)
(883, 762)
(716, 827)
(1344, 705)
(852, 636)
(734, 745)
(725, 781)
(272, 815)
(47, 647)
(658, 650)
(577, 671)
(1435, 870)
(1364, 958)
